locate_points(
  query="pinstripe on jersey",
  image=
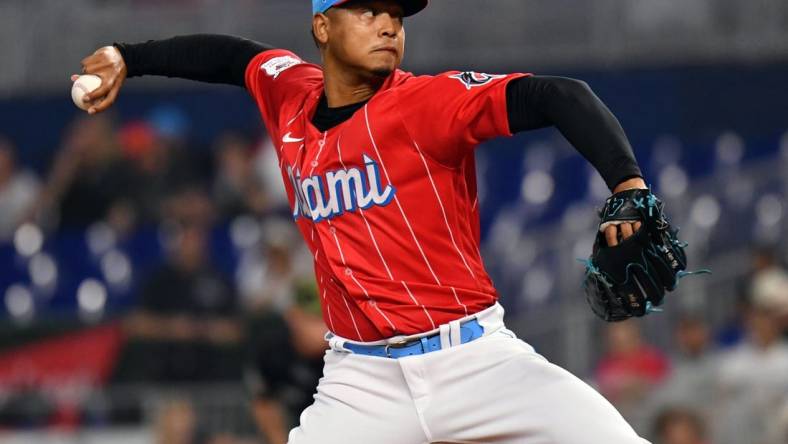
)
(386, 201)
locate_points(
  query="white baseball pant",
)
(495, 389)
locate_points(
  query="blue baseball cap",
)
(409, 6)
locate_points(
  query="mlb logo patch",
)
(277, 65)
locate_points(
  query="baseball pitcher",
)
(379, 169)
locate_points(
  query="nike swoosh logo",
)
(288, 139)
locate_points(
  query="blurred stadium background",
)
(152, 289)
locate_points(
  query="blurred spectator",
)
(188, 206)
(693, 368)
(181, 420)
(769, 289)
(149, 162)
(18, 190)
(692, 338)
(176, 423)
(268, 273)
(763, 262)
(183, 163)
(287, 362)
(285, 333)
(187, 285)
(236, 188)
(88, 180)
(187, 311)
(159, 165)
(753, 381)
(678, 426)
(269, 174)
(630, 369)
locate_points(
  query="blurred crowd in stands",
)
(194, 323)
(140, 173)
(725, 387)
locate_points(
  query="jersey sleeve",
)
(449, 114)
(278, 78)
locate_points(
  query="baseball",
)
(84, 85)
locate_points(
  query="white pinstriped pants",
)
(495, 389)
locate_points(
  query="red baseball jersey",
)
(386, 201)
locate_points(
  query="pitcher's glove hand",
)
(631, 278)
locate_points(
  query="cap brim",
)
(413, 6)
(410, 7)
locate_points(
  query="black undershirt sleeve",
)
(532, 102)
(202, 57)
(570, 105)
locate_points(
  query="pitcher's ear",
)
(320, 25)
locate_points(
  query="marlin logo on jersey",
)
(473, 79)
(324, 197)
